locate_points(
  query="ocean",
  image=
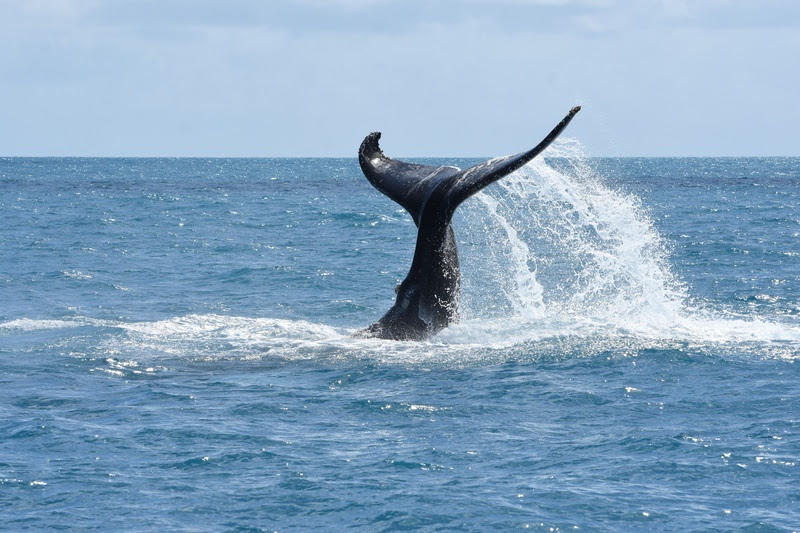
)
(176, 349)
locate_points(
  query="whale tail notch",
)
(411, 184)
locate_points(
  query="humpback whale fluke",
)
(427, 300)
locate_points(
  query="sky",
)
(461, 78)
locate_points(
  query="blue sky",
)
(437, 77)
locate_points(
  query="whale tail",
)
(427, 300)
(411, 184)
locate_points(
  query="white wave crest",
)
(473, 341)
(29, 324)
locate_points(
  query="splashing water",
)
(575, 247)
(578, 259)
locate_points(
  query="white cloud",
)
(675, 9)
(248, 78)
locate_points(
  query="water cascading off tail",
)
(561, 245)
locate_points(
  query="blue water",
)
(176, 351)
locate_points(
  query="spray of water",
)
(552, 252)
(571, 247)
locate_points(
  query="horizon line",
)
(393, 157)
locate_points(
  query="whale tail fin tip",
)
(476, 178)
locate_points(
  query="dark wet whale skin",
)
(427, 299)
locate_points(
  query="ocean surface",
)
(176, 349)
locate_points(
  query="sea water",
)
(176, 349)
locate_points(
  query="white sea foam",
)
(219, 337)
(29, 324)
(474, 341)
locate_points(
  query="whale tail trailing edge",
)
(411, 184)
